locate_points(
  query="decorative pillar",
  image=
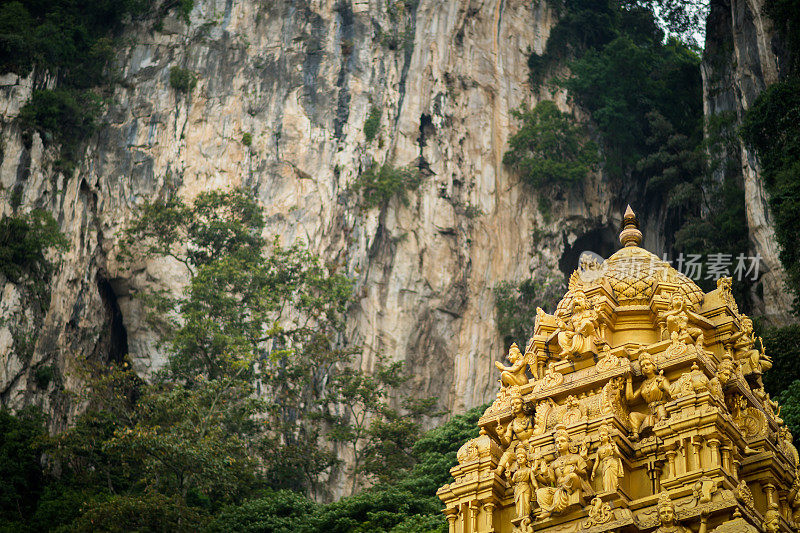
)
(473, 515)
(696, 443)
(769, 489)
(671, 453)
(713, 443)
(452, 515)
(488, 513)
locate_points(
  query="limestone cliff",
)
(301, 78)
(742, 57)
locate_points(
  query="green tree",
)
(550, 148)
(21, 442)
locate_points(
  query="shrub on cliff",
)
(550, 147)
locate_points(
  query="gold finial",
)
(630, 234)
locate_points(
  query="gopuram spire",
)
(638, 406)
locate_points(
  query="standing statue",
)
(578, 331)
(513, 375)
(668, 520)
(608, 461)
(654, 391)
(676, 320)
(522, 481)
(566, 475)
(518, 430)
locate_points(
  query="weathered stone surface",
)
(301, 78)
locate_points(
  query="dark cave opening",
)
(117, 334)
(602, 241)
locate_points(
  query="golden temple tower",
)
(637, 406)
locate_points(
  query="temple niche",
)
(637, 406)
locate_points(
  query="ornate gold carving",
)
(725, 371)
(542, 416)
(522, 481)
(599, 513)
(565, 477)
(724, 285)
(613, 401)
(676, 320)
(737, 525)
(518, 430)
(578, 332)
(574, 412)
(772, 519)
(607, 361)
(703, 489)
(551, 379)
(751, 360)
(668, 520)
(698, 451)
(607, 461)
(744, 495)
(654, 390)
(690, 383)
(513, 375)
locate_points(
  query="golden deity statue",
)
(638, 406)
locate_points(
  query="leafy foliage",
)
(550, 148)
(24, 243)
(783, 345)
(182, 80)
(63, 116)
(372, 124)
(406, 505)
(380, 183)
(21, 439)
(516, 306)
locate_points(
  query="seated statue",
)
(654, 390)
(754, 361)
(566, 475)
(677, 322)
(513, 375)
(579, 330)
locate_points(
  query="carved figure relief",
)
(752, 360)
(607, 462)
(550, 380)
(565, 477)
(668, 521)
(574, 412)
(613, 401)
(542, 415)
(513, 375)
(725, 371)
(676, 323)
(772, 519)
(518, 430)
(521, 480)
(599, 513)
(579, 330)
(654, 390)
(606, 361)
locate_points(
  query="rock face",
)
(301, 79)
(742, 57)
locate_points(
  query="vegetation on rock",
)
(380, 183)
